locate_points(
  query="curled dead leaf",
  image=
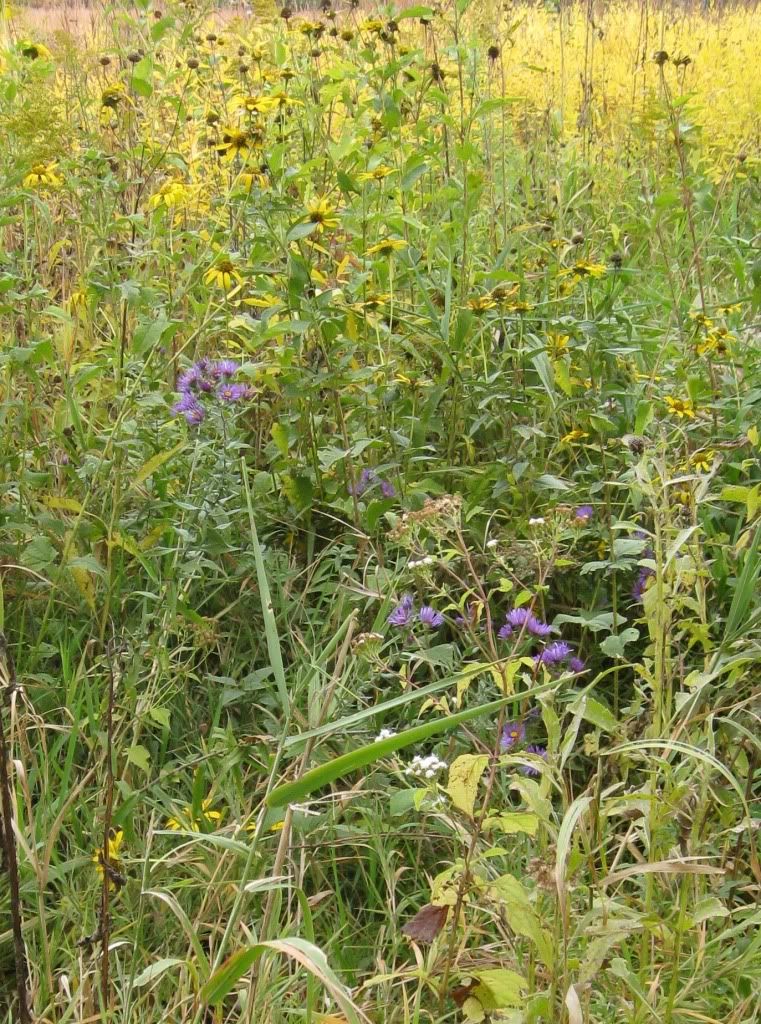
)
(426, 924)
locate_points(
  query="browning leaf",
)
(426, 924)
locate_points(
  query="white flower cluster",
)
(491, 543)
(536, 521)
(385, 734)
(425, 767)
(418, 563)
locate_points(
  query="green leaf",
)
(222, 981)
(139, 756)
(464, 776)
(521, 916)
(512, 822)
(300, 230)
(149, 468)
(155, 970)
(39, 554)
(499, 988)
(372, 752)
(614, 644)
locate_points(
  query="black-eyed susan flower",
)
(35, 51)
(259, 104)
(583, 269)
(702, 461)
(233, 143)
(43, 176)
(170, 195)
(189, 822)
(321, 213)
(682, 408)
(701, 320)
(481, 303)
(223, 274)
(376, 174)
(387, 246)
(557, 344)
(111, 864)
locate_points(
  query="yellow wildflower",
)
(574, 435)
(185, 819)
(321, 213)
(36, 51)
(557, 344)
(582, 269)
(171, 194)
(703, 460)
(480, 303)
(43, 176)
(222, 275)
(680, 407)
(387, 246)
(377, 174)
(234, 143)
(115, 869)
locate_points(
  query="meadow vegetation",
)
(379, 514)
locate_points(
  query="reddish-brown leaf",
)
(463, 992)
(426, 924)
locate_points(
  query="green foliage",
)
(379, 520)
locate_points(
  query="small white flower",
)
(536, 521)
(425, 767)
(491, 543)
(385, 734)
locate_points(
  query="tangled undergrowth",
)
(380, 492)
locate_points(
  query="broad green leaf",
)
(499, 988)
(139, 756)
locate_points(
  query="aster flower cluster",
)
(369, 478)
(522, 620)
(405, 613)
(209, 380)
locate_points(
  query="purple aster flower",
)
(505, 632)
(366, 479)
(225, 368)
(387, 489)
(584, 513)
(189, 407)
(232, 393)
(188, 379)
(537, 627)
(553, 653)
(513, 732)
(517, 617)
(641, 582)
(533, 748)
(402, 615)
(430, 617)
(577, 665)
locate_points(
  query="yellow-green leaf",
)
(512, 822)
(64, 504)
(499, 988)
(464, 775)
(156, 462)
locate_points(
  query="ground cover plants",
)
(379, 514)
